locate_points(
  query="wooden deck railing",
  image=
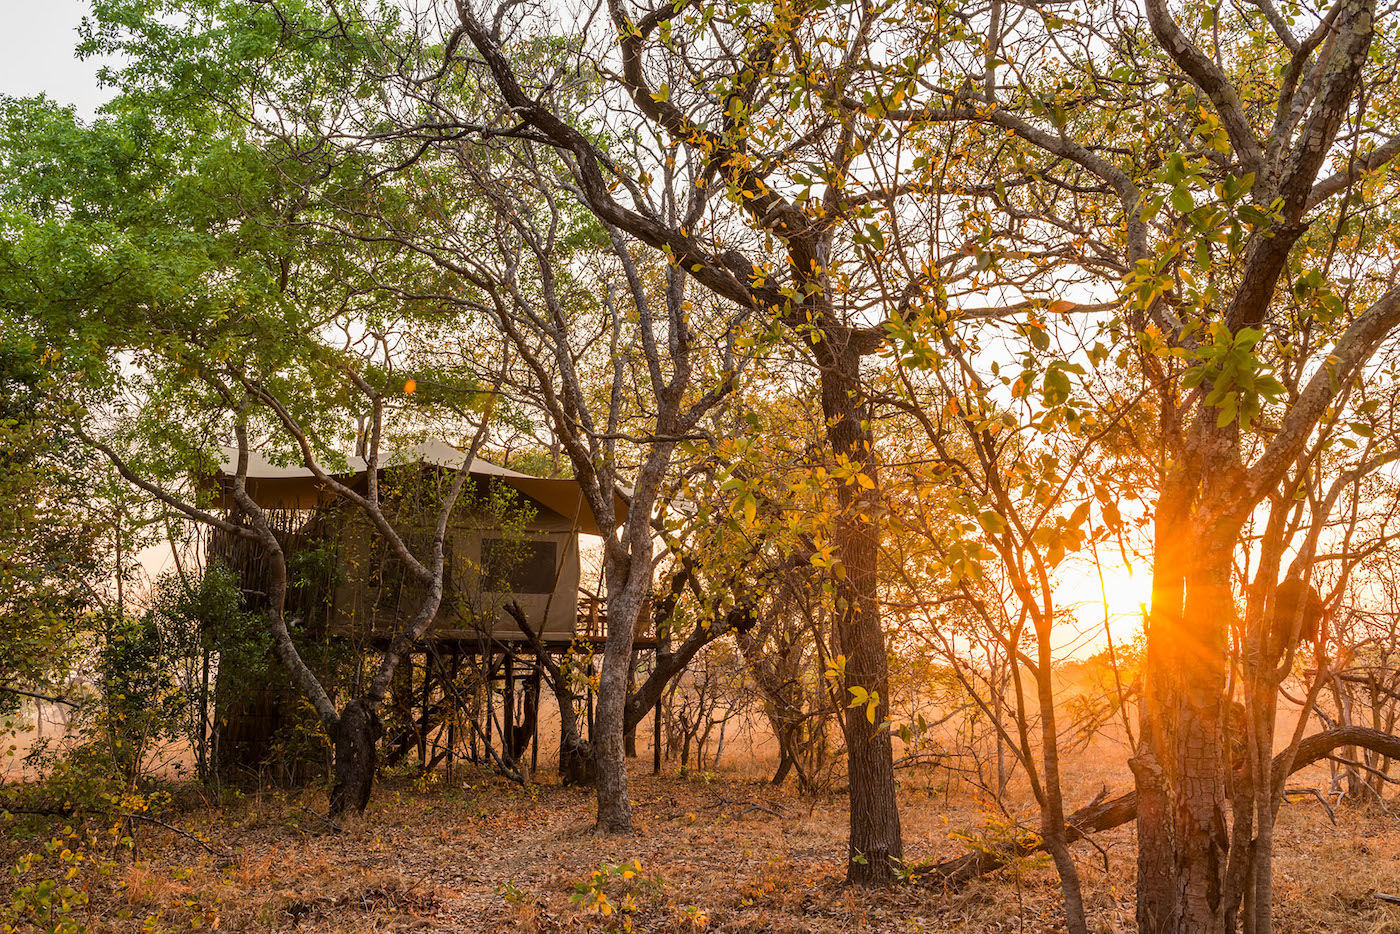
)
(593, 620)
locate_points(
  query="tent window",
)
(518, 567)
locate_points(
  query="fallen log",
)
(1101, 815)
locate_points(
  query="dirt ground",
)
(726, 853)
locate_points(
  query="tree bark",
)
(355, 739)
(1154, 762)
(609, 750)
(875, 847)
(1201, 829)
(1053, 809)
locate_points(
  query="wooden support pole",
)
(423, 728)
(452, 713)
(490, 702)
(535, 717)
(474, 714)
(508, 741)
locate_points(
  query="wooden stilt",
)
(423, 730)
(490, 702)
(452, 715)
(475, 714)
(508, 741)
(534, 701)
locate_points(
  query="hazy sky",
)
(36, 53)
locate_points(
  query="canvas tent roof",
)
(296, 487)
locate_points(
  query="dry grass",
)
(728, 855)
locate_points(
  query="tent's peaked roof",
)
(441, 454)
(436, 453)
(296, 487)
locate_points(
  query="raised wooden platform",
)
(591, 630)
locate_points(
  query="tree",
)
(1012, 485)
(1252, 237)
(49, 566)
(153, 243)
(790, 195)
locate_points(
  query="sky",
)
(36, 54)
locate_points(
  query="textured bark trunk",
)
(522, 733)
(355, 737)
(629, 738)
(876, 846)
(1154, 763)
(1201, 829)
(1256, 894)
(1156, 880)
(609, 750)
(784, 767)
(577, 765)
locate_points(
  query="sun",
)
(1111, 591)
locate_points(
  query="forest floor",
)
(716, 854)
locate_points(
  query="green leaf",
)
(1228, 409)
(1056, 387)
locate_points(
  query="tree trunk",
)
(1181, 767)
(875, 846)
(609, 750)
(784, 767)
(1053, 808)
(525, 730)
(577, 764)
(1201, 829)
(629, 738)
(1154, 763)
(355, 737)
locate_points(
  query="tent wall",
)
(378, 597)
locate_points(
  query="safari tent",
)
(513, 538)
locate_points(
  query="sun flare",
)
(1113, 592)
